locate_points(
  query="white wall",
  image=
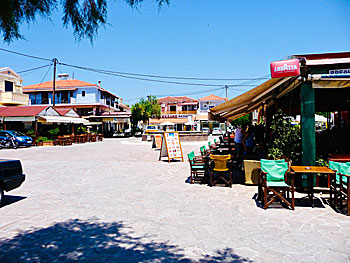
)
(91, 95)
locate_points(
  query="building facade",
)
(11, 93)
(178, 107)
(86, 98)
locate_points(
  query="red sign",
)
(285, 68)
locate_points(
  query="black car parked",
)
(11, 176)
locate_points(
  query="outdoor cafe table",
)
(310, 171)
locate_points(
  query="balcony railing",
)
(179, 112)
(13, 98)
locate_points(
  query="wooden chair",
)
(197, 165)
(220, 169)
(60, 141)
(272, 179)
(344, 189)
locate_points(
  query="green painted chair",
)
(197, 166)
(211, 146)
(273, 175)
(344, 191)
(334, 184)
(204, 151)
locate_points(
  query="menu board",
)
(171, 146)
(157, 141)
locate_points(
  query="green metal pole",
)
(308, 137)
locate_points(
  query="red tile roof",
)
(177, 99)
(63, 111)
(69, 83)
(21, 111)
(211, 97)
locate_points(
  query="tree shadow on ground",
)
(94, 241)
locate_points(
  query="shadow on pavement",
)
(299, 202)
(94, 241)
(10, 199)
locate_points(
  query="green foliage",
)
(321, 162)
(81, 129)
(31, 132)
(286, 139)
(54, 131)
(85, 16)
(42, 139)
(246, 119)
(145, 109)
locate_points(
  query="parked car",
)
(11, 176)
(206, 130)
(125, 133)
(151, 128)
(20, 138)
(216, 131)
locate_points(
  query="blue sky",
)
(189, 38)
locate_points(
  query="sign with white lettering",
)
(285, 68)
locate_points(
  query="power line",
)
(27, 70)
(182, 93)
(163, 77)
(25, 55)
(137, 74)
(149, 80)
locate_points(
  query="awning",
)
(19, 118)
(173, 120)
(61, 119)
(253, 99)
(167, 123)
(93, 123)
(330, 84)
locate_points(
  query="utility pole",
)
(54, 81)
(226, 87)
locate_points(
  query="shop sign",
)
(285, 68)
(339, 72)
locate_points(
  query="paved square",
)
(113, 201)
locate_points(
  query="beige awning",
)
(61, 119)
(253, 99)
(330, 84)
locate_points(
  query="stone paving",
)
(113, 201)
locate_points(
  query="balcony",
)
(13, 98)
(179, 112)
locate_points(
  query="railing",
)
(13, 98)
(178, 112)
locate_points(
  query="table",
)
(310, 171)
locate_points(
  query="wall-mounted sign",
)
(285, 68)
(339, 72)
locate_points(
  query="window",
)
(83, 93)
(8, 86)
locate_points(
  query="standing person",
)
(239, 135)
(248, 141)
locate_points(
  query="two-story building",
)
(205, 104)
(11, 88)
(177, 110)
(86, 98)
